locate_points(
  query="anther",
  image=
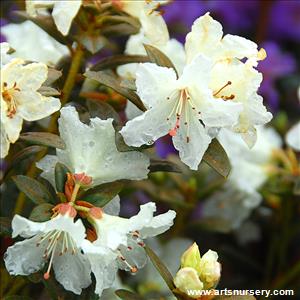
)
(134, 269)
(223, 87)
(187, 139)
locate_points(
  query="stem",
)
(81, 208)
(66, 92)
(75, 192)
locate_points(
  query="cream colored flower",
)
(239, 81)
(33, 43)
(120, 242)
(20, 99)
(64, 11)
(181, 107)
(91, 149)
(57, 241)
(154, 32)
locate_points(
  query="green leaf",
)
(102, 194)
(43, 138)
(48, 91)
(52, 76)
(112, 62)
(41, 212)
(119, 30)
(107, 79)
(60, 172)
(159, 58)
(216, 157)
(24, 154)
(46, 23)
(158, 165)
(5, 226)
(33, 189)
(213, 224)
(127, 295)
(102, 110)
(161, 268)
(36, 277)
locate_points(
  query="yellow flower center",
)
(8, 97)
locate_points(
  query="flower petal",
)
(32, 76)
(12, 127)
(192, 151)
(148, 127)
(103, 265)
(72, 271)
(149, 78)
(89, 154)
(33, 106)
(47, 164)
(24, 258)
(63, 14)
(293, 137)
(206, 33)
(113, 206)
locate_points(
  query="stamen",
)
(223, 87)
(47, 274)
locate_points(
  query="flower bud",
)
(82, 179)
(187, 279)
(191, 257)
(210, 269)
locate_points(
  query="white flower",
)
(135, 46)
(153, 31)
(176, 106)
(57, 241)
(33, 43)
(240, 195)
(293, 137)
(64, 11)
(240, 81)
(91, 149)
(206, 37)
(120, 242)
(20, 99)
(154, 27)
(5, 58)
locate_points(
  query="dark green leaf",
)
(159, 58)
(127, 295)
(46, 23)
(157, 165)
(50, 188)
(48, 91)
(119, 30)
(161, 268)
(41, 212)
(53, 75)
(112, 62)
(121, 145)
(216, 157)
(43, 138)
(102, 110)
(5, 226)
(60, 176)
(33, 189)
(102, 194)
(109, 80)
(36, 277)
(24, 154)
(134, 22)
